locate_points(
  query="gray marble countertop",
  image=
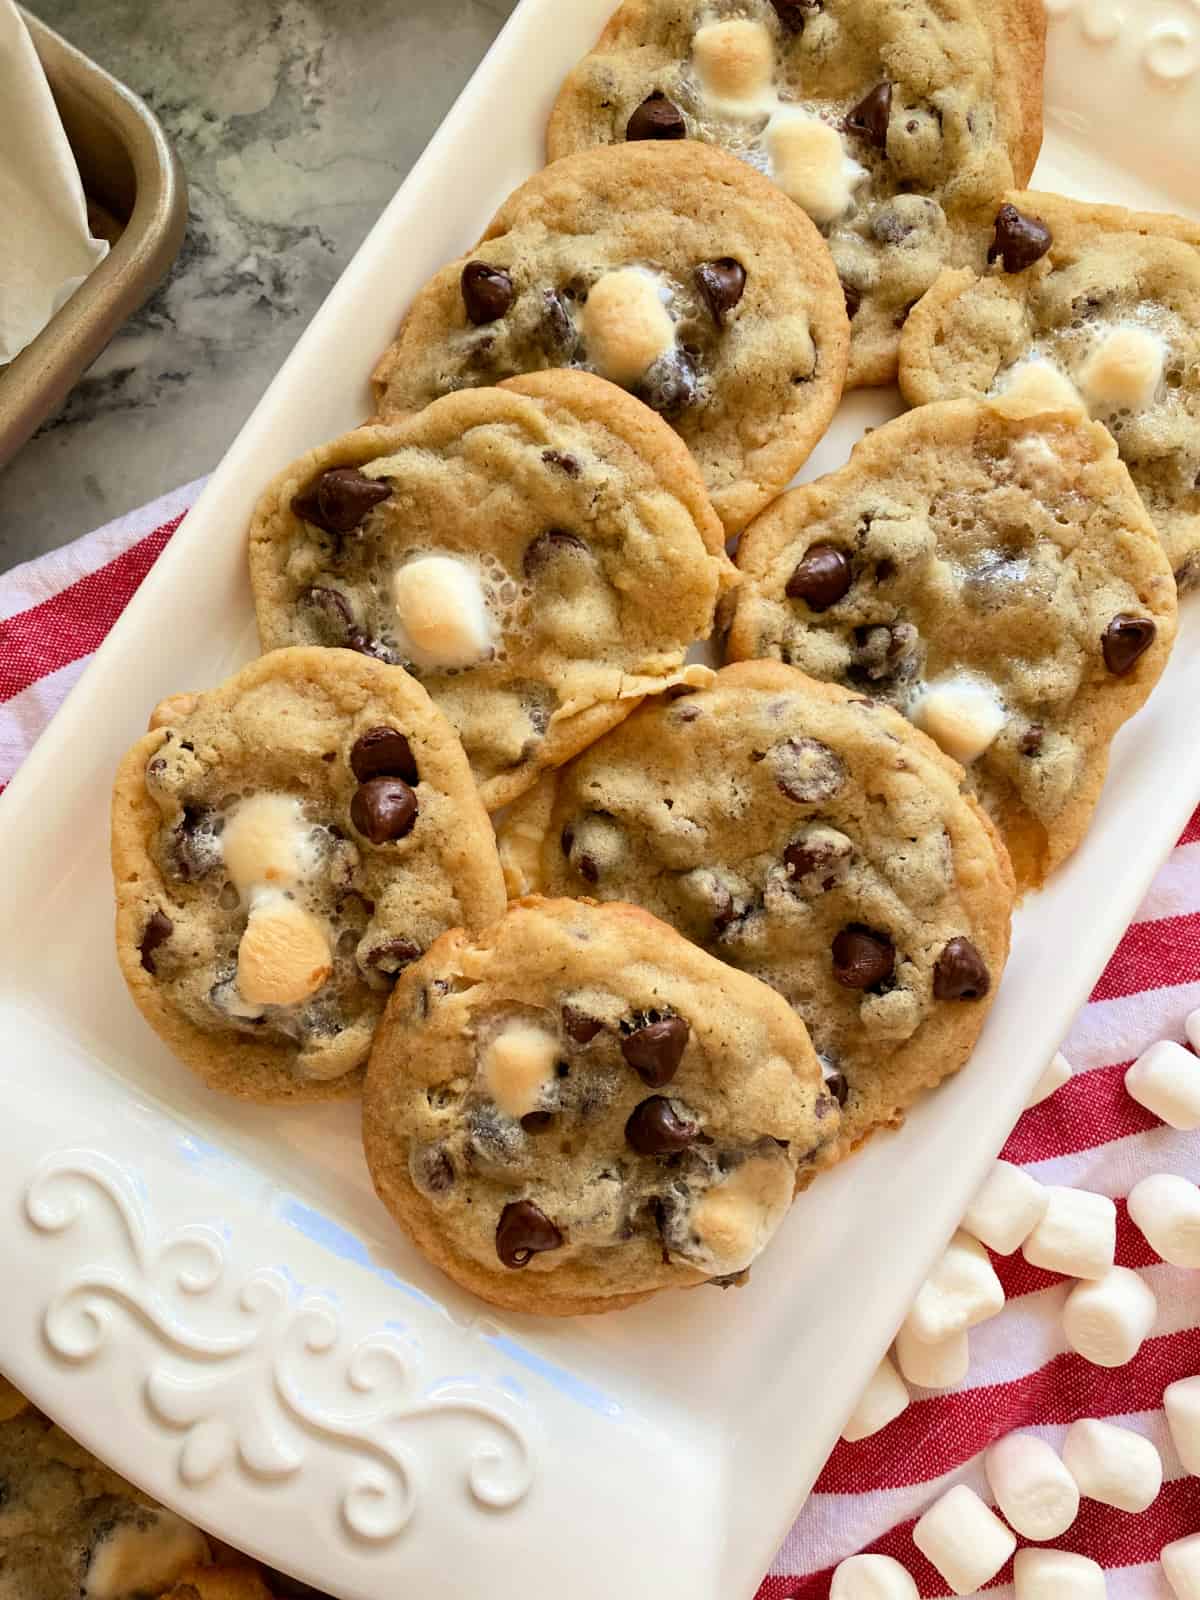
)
(295, 120)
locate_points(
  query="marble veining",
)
(295, 120)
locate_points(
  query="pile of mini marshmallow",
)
(1107, 1315)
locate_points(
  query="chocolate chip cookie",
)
(990, 571)
(577, 1108)
(1087, 305)
(282, 847)
(675, 271)
(896, 124)
(806, 835)
(539, 555)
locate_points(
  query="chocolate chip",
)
(383, 753)
(487, 292)
(1019, 240)
(340, 498)
(959, 972)
(862, 958)
(806, 770)
(195, 844)
(838, 1085)
(885, 651)
(524, 1230)
(656, 1129)
(722, 283)
(578, 1026)
(564, 462)
(656, 118)
(823, 860)
(556, 331)
(554, 542)
(887, 227)
(853, 299)
(821, 578)
(669, 386)
(1125, 639)
(1031, 740)
(158, 930)
(393, 956)
(436, 1170)
(537, 1121)
(870, 116)
(793, 14)
(655, 1050)
(334, 620)
(383, 809)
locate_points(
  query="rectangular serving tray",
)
(210, 1296)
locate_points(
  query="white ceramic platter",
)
(210, 1296)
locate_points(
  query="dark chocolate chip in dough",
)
(578, 1026)
(655, 1049)
(524, 1230)
(554, 542)
(853, 299)
(537, 1121)
(556, 332)
(821, 578)
(806, 770)
(1030, 743)
(393, 955)
(340, 499)
(487, 292)
(1125, 639)
(793, 14)
(158, 930)
(862, 958)
(383, 753)
(383, 809)
(1019, 240)
(436, 1170)
(564, 462)
(656, 118)
(655, 1128)
(722, 283)
(820, 858)
(838, 1085)
(669, 386)
(870, 116)
(960, 972)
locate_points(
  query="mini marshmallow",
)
(1055, 1075)
(881, 1402)
(1077, 1236)
(1166, 1209)
(1181, 1565)
(1107, 1319)
(284, 954)
(809, 163)
(871, 1578)
(1034, 387)
(961, 1291)
(933, 1366)
(518, 1064)
(442, 611)
(267, 840)
(963, 715)
(1123, 372)
(732, 1221)
(1006, 1209)
(1031, 1486)
(1113, 1465)
(626, 324)
(1181, 1402)
(1166, 1080)
(1057, 1575)
(964, 1539)
(735, 62)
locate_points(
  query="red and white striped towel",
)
(53, 614)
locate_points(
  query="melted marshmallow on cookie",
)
(807, 159)
(626, 324)
(1123, 371)
(443, 613)
(735, 62)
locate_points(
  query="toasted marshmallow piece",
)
(1033, 1489)
(1166, 1208)
(1166, 1080)
(284, 955)
(267, 841)
(933, 1366)
(871, 1578)
(881, 1402)
(1113, 1465)
(1077, 1236)
(1057, 1575)
(173, 709)
(964, 1539)
(808, 161)
(1123, 371)
(518, 1064)
(1007, 1207)
(143, 1556)
(1055, 1075)
(1107, 1319)
(443, 613)
(626, 325)
(961, 714)
(733, 1220)
(1034, 387)
(961, 1291)
(1181, 1566)
(735, 62)
(1181, 1402)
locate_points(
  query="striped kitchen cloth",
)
(53, 614)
